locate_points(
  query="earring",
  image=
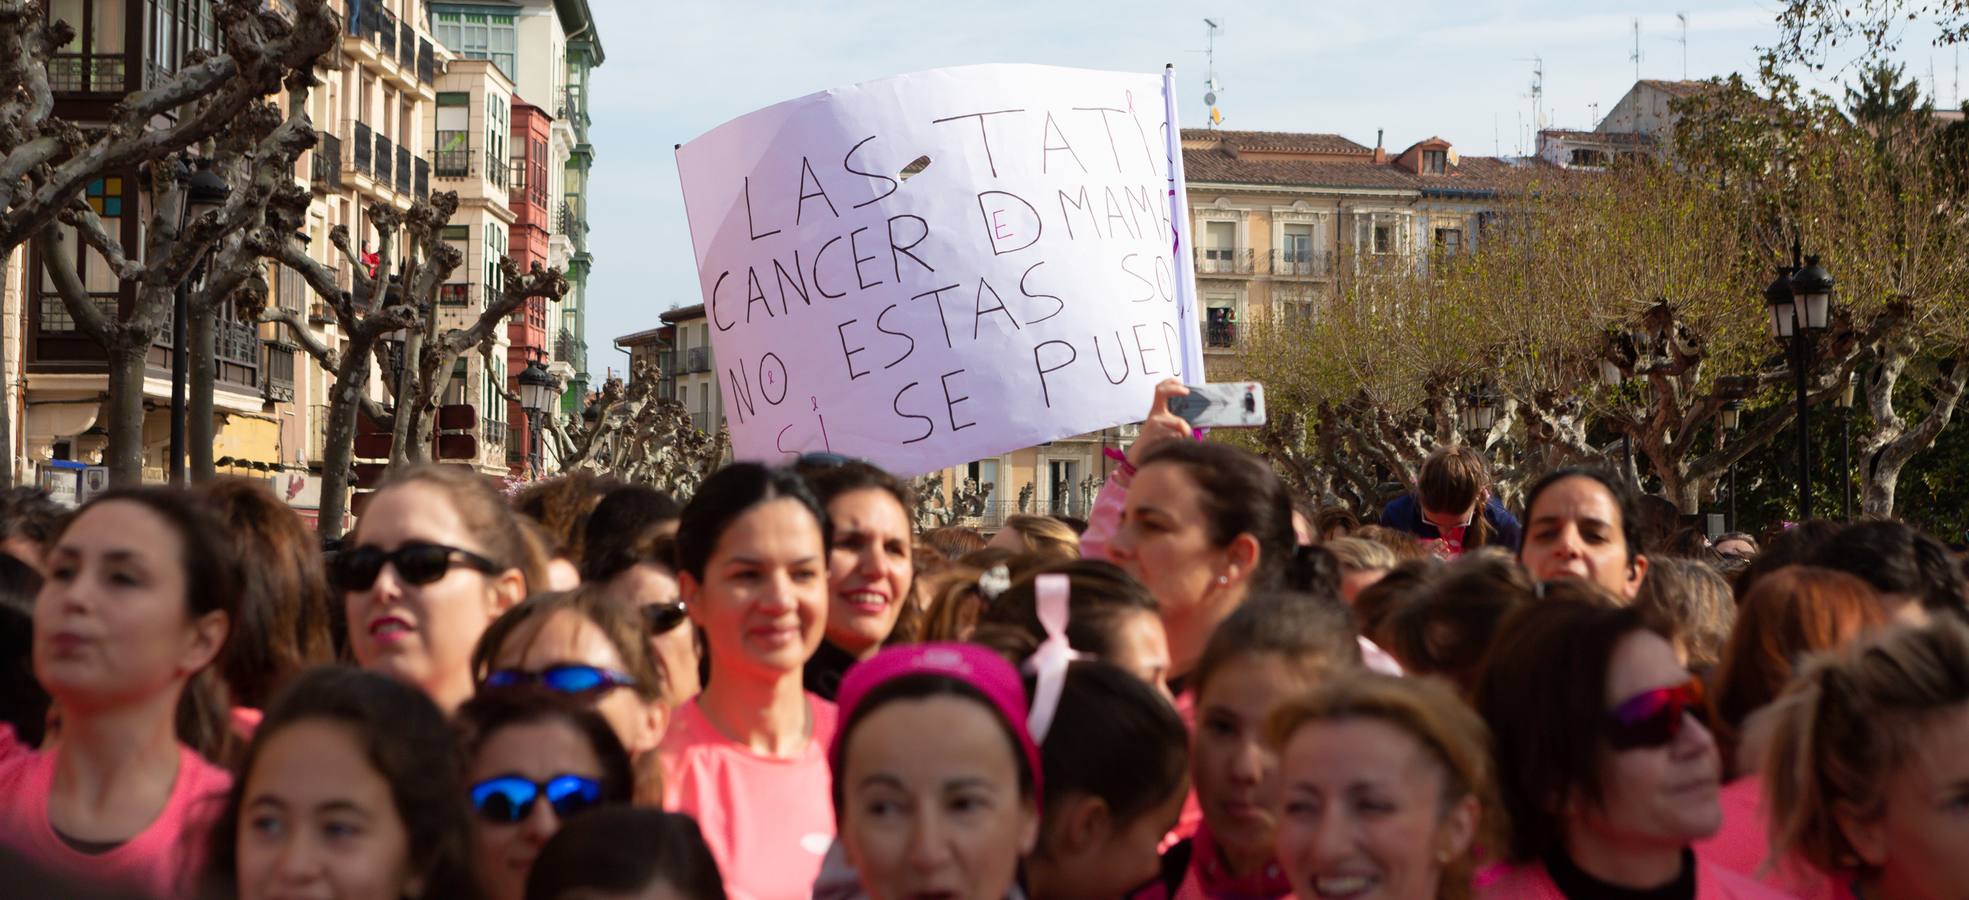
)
(1223, 580)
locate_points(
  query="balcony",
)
(567, 220)
(427, 65)
(456, 294)
(238, 343)
(77, 73)
(697, 359)
(406, 46)
(326, 174)
(567, 347)
(364, 146)
(385, 160)
(278, 385)
(420, 183)
(384, 29)
(454, 157)
(1224, 261)
(495, 432)
(1220, 334)
(1301, 263)
(292, 291)
(403, 169)
(495, 169)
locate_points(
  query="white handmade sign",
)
(939, 267)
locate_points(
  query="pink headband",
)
(982, 669)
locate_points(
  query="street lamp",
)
(205, 191)
(1799, 302)
(538, 391)
(1846, 447)
(1479, 413)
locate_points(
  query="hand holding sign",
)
(934, 268)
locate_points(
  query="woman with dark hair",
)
(532, 759)
(870, 572)
(349, 790)
(626, 852)
(138, 602)
(23, 704)
(1915, 573)
(1452, 504)
(1110, 617)
(434, 559)
(1580, 524)
(746, 756)
(1606, 771)
(591, 649)
(936, 778)
(286, 615)
(1446, 627)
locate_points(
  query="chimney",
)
(1380, 153)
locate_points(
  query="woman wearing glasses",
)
(747, 757)
(1606, 770)
(1452, 507)
(435, 558)
(533, 759)
(586, 646)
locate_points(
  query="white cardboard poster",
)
(939, 267)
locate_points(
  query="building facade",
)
(1641, 124)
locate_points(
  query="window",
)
(93, 59)
(1384, 238)
(1296, 251)
(1220, 321)
(452, 157)
(1586, 156)
(1435, 162)
(481, 35)
(1449, 241)
(495, 250)
(1381, 233)
(985, 472)
(496, 135)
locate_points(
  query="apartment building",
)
(690, 374)
(1641, 123)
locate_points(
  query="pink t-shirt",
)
(158, 861)
(768, 821)
(1530, 882)
(1743, 846)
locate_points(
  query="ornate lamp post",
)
(1799, 302)
(538, 393)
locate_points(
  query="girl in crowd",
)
(632, 554)
(349, 790)
(1692, 598)
(869, 570)
(1116, 761)
(532, 759)
(286, 616)
(139, 599)
(435, 558)
(1201, 525)
(592, 649)
(746, 757)
(1274, 647)
(1110, 617)
(1452, 505)
(1447, 625)
(1362, 563)
(936, 778)
(1606, 772)
(1041, 535)
(1385, 788)
(626, 852)
(1580, 524)
(1866, 772)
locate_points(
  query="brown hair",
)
(1428, 712)
(955, 542)
(1101, 599)
(1045, 536)
(1309, 632)
(1239, 494)
(1851, 720)
(1455, 478)
(1360, 554)
(1447, 624)
(561, 505)
(285, 618)
(1693, 598)
(1401, 543)
(481, 509)
(1542, 688)
(1790, 613)
(1335, 517)
(1376, 604)
(623, 625)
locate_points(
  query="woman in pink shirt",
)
(435, 558)
(747, 756)
(1606, 771)
(139, 599)
(350, 790)
(1866, 777)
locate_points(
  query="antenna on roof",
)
(1537, 90)
(1683, 18)
(1210, 71)
(1636, 55)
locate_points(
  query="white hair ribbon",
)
(1049, 663)
(995, 580)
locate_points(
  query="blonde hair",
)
(1848, 722)
(1428, 711)
(1045, 536)
(1360, 554)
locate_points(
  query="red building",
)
(527, 330)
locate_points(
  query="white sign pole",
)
(1189, 325)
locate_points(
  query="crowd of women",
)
(782, 689)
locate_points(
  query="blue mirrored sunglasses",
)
(577, 680)
(509, 798)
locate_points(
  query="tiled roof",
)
(1278, 141)
(683, 312)
(1213, 165)
(1679, 88)
(646, 336)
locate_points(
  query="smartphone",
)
(1232, 404)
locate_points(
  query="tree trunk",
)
(125, 422)
(200, 349)
(1888, 458)
(7, 395)
(338, 451)
(410, 437)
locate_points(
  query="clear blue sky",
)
(1454, 68)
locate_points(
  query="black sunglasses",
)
(662, 617)
(356, 569)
